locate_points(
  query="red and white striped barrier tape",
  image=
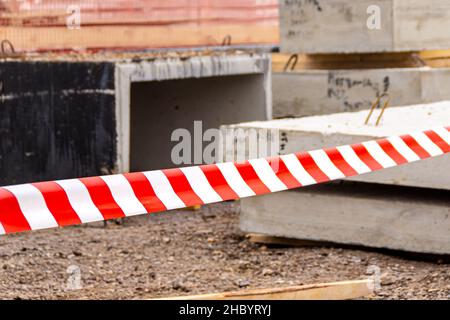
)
(74, 201)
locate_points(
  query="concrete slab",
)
(115, 110)
(215, 89)
(346, 26)
(315, 92)
(399, 218)
(318, 132)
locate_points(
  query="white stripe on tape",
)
(403, 149)
(33, 206)
(164, 190)
(2, 230)
(124, 195)
(353, 160)
(200, 184)
(266, 175)
(378, 154)
(296, 169)
(443, 133)
(427, 144)
(234, 179)
(80, 200)
(324, 163)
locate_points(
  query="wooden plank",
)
(283, 241)
(95, 37)
(323, 291)
(39, 26)
(346, 61)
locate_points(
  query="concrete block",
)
(346, 26)
(399, 218)
(318, 132)
(70, 116)
(316, 92)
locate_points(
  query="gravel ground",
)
(189, 252)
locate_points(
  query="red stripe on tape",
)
(391, 151)
(414, 146)
(102, 198)
(218, 182)
(11, 216)
(444, 146)
(58, 203)
(365, 157)
(251, 178)
(339, 161)
(181, 186)
(311, 167)
(144, 192)
(283, 173)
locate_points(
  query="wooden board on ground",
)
(283, 241)
(323, 291)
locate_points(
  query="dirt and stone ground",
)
(188, 252)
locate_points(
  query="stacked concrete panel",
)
(405, 207)
(316, 92)
(366, 28)
(346, 26)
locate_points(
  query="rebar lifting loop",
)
(293, 58)
(4, 45)
(226, 41)
(375, 105)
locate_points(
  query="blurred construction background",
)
(95, 87)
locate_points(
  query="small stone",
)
(211, 240)
(179, 286)
(166, 239)
(171, 259)
(387, 281)
(77, 253)
(243, 265)
(242, 283)
(267, 272)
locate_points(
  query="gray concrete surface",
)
(318, 132)
(346, 26)
(153, 98)
(409, 219)
(315, 92)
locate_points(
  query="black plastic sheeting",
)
(57, 120)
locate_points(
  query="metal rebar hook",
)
(293, 58)
(375, 105)
(4, 44)
(226, 41)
